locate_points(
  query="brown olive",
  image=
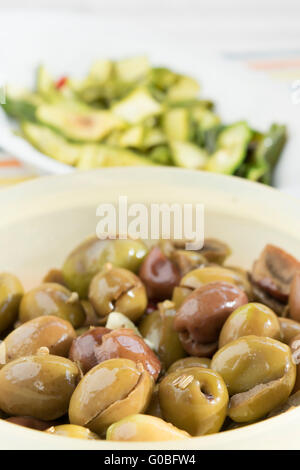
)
(158, 329)
(190, 361)
(215, 251)
(250, 319)
(159, 274)
(261, 296)
(117, 289)
(82, 350)
(188, 260)
(259, 373)
(124, 343)
(72, 430)
(294, 299)
(201, 316)
(194, 399)
(109, 392)
(52, 299)
(39, 386)
(289, 329)
(51, 332)
(89, 258)
(144, 428)
(11, 292)
(274, 272)
(29, 422)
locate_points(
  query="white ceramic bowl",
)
(42, 220)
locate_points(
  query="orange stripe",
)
(10, 163)
(274, 64)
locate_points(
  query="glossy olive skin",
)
(205, 275)
(289, 329)
(158, 328)
(51, 332)
(159, 274)
(11, 292)
(40, 386)
(29, 422)
(274, 271)
(124, 343)
(188, 362)
(194, 399)
(109, 392)
(82, 350)
(88, 258)
(154, 406)
(250, 319)
(202, 315)
(294, 298)
(72, 430)
(295, 348)
(54, 275)
(180, 294)
(52, 299)
(118, 289)
(143, 428)
(259, 373)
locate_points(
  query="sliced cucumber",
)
(82, 125)
(132, 137)
(205, 118)
(271, 146)
(176, 124)
(132, 69)
(188, 155)
(161, 155)
(95, 156)
(101, 71)
(231, 150)
(153, 137)
(45, 83)
(137, 106)
(51, 143)
(256, 173)
(185, 88)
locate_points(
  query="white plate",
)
(68, 44)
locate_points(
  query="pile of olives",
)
(134, 343)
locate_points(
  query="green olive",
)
(144, 428)
(201, 276)
(39, 386)
(157, 328)
(11, 292)
(250, 319)
(51, 332)
(215, 251)
(72, 430)
(118, 289)
(109, 392)
(289, 329)
(52, 299)
(190, 361)
(91, 255)
(259, 373)
(179, 295)
(194, 399)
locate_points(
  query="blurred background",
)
(261, 35)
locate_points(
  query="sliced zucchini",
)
(132, 69)
(101, 71)
(271, 145)
(21, 103)
(153, 137)
(231, 150)
(132, 137)
(176, 124)
(188, 155)
(256, 173)
(79, 124)
(161, 155)
(163, 78)
(95, 156)
(137, 106)
(51, 143)
(45, 83)
(205, 118)
(185, 88)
